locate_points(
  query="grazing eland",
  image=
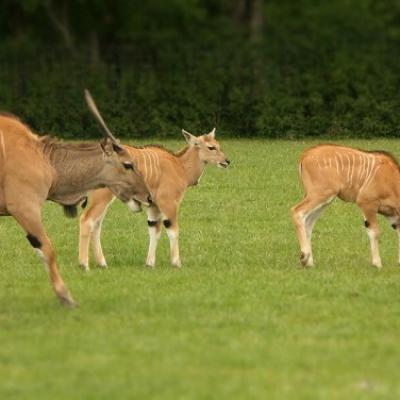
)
(34, 169)
(371, 179)
(167, 175)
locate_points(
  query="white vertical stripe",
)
(144, 164)
(156, 164)
(369, 169)
(337, 164)
(148, 160)
(361, 158)
(352, 168)
(341, 162)
(3, 146)
(364, 172)
(348, 168)
(371, 174)
(154, 158)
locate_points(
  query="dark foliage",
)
(271, 69)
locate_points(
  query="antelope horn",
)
(93, 108)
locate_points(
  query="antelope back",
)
(351, 171)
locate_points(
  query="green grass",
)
(241, 320)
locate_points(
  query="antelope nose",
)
(149, 200)
(227, 161)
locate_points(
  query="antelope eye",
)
(212, 148)
(127, 165)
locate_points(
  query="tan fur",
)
(167, 176)
(371, 179)
(35, 169)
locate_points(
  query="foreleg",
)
(90, 227)
(154, 224)
(29, 217)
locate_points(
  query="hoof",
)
(306, 260)
(66, 299)
(84, 267)
(103, 265)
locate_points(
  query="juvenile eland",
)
(371, 179)
(167, 175)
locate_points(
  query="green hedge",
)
(322, 68)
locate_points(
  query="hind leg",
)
(90, 227)
(304, 216)
(169, 210)
(395, 224)
(154, 218)
(371, 224)
(313, 216)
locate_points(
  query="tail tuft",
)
(70, 211)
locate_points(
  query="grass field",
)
(241, 320)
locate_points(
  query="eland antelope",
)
(167, 175)
(371, 179)
(34, 169)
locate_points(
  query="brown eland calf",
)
(167, 175)
(371, 179)
(34, 169)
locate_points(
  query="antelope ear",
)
(117, 148)
(109, 146)
(191, 139)
(212, 134)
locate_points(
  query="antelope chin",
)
(223, 165)
(134, 205)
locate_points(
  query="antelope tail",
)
(70, 211)
(93, 108)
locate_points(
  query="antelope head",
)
(119, 172)
(208, 147)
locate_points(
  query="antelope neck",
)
(78, 169)
(192, 165)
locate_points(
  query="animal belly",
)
(68, 200)
(348, 194)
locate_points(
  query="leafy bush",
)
(321, 68)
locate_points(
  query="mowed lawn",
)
(240, 320)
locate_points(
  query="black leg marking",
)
(151, 223)
(34, 241)
(366, 223)
(167, 223)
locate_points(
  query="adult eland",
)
(34, 169)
